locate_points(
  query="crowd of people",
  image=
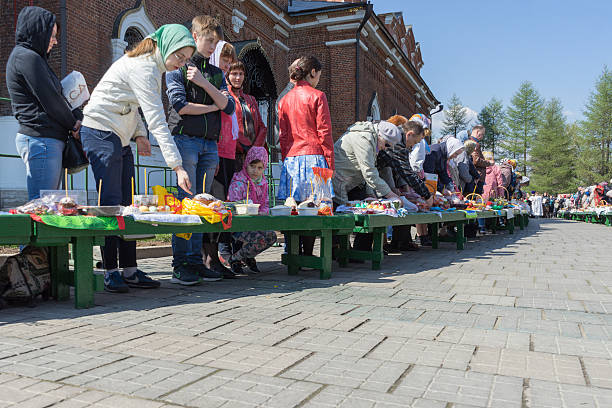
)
(593, 196)
(215, 141)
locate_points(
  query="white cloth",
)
(129, 84)
(417, 156)
(215, 59)
(165, 218)
(536, 206)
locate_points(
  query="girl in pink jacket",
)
(494, 181)
(251, 177)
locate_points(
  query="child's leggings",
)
(253, 243)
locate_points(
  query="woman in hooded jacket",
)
(45, 117)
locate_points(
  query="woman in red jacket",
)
(305, 134)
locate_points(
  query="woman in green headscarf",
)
(111, 121)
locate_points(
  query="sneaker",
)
(225, 272)
(425, 240)
(113, 282)
(184, 275)
(207, 275)
(141, 280)
(237, 267)
(252, 265)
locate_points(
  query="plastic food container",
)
(280, 210)
(78, 196)
(308, 211)
(103, 211)
(247, 209)
(146, 200)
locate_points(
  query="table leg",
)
(377, 248)
(58, 263)
(293, 248)
(82, 248)
(435, 235)
(460, 235)
(343, 253)
(326, 254)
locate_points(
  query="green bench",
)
(83, 241)
(377, 225)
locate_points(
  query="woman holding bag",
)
(112, 120)
(45, 118)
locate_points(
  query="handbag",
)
(73, 157)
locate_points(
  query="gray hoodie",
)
(355, 157)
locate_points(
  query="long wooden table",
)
(587, 216)
(378, 224)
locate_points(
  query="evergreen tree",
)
(552, 155)
(455, 119)
(522, 119)
(596, 133)
(492, 117)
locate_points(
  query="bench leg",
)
(82, 248)
(377, 248)
(58, 257)
(460, 235)
(510, 225)
(435, 235)
(326, 254)
(293, 248)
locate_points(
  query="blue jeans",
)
(199, 157)
(42, 157)
(114, 165)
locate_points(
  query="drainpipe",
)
(368, 14)
(63, 39)
(439, 109)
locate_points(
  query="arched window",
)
(374, 109)
(130, 27)
(132, 37)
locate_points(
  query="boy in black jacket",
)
(197, 95)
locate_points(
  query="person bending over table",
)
(355, 157)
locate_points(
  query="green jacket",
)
(355, 156)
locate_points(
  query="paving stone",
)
(253, 332)
(333, 341)
(250, 358)
(528, 364)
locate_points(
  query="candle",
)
(248, 188)
(132, 190)
(204, 184)
(66, 181)
(99, 192)
(146, 183)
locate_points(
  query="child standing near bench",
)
(251, 178)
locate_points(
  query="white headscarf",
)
(215, 59)
(453, 145)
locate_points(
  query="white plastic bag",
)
(75, 89)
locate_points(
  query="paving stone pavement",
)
(521, 320)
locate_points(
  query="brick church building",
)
(371, 62)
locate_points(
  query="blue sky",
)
(479, 49)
